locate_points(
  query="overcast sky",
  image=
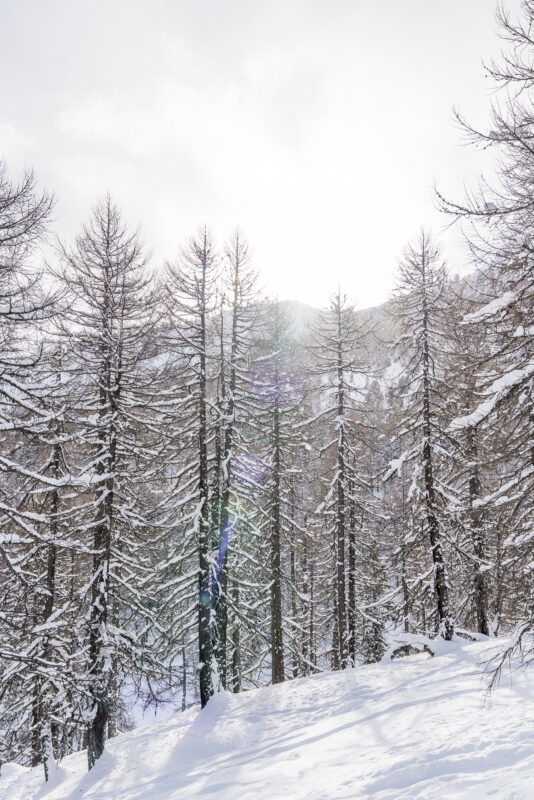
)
(317, 126)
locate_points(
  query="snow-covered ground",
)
(417, 727)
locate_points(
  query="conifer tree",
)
(191, 284)
(26, 537)
(107, 333)
(339, 340)
(234, 401)
(278, 384)
(498, 220)
(421, 301)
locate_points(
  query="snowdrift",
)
(416, 727)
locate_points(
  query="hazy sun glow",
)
(317, 126)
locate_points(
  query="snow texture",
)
(417, 727)
(491, 308)
(498, 389)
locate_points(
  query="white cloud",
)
(317, 126)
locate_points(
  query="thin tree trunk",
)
(43, 735)
(204, 577)
(277, 666)
(352, 581)
(99, 655)
(306, 644)
(236, 645)
(293, 576)
(440, 581)
(225, 524)
(404, 581)
(184, 681)
(313, 649)
(477, 533)
(340, 507)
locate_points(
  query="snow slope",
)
(417, 727)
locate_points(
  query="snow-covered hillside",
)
(416, 727)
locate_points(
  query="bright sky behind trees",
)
(318, 126)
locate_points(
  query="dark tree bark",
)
(477, 532)
(204, 576)
(277, 645)
(440, 582)
(340, 505)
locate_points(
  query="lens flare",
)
(274, 384)
(249, 468)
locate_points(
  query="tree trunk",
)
(236, 645)
(99, 655)
(277, 665)
(295, 664)
(477, 533)
(340, 509)
(205, 603)
(352, 582)
(440, 581)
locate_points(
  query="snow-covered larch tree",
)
(421, 301)
(106, 331)
(26, 532)
(339, 341)
(498, 225)
(191, 284)
(235, 408)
